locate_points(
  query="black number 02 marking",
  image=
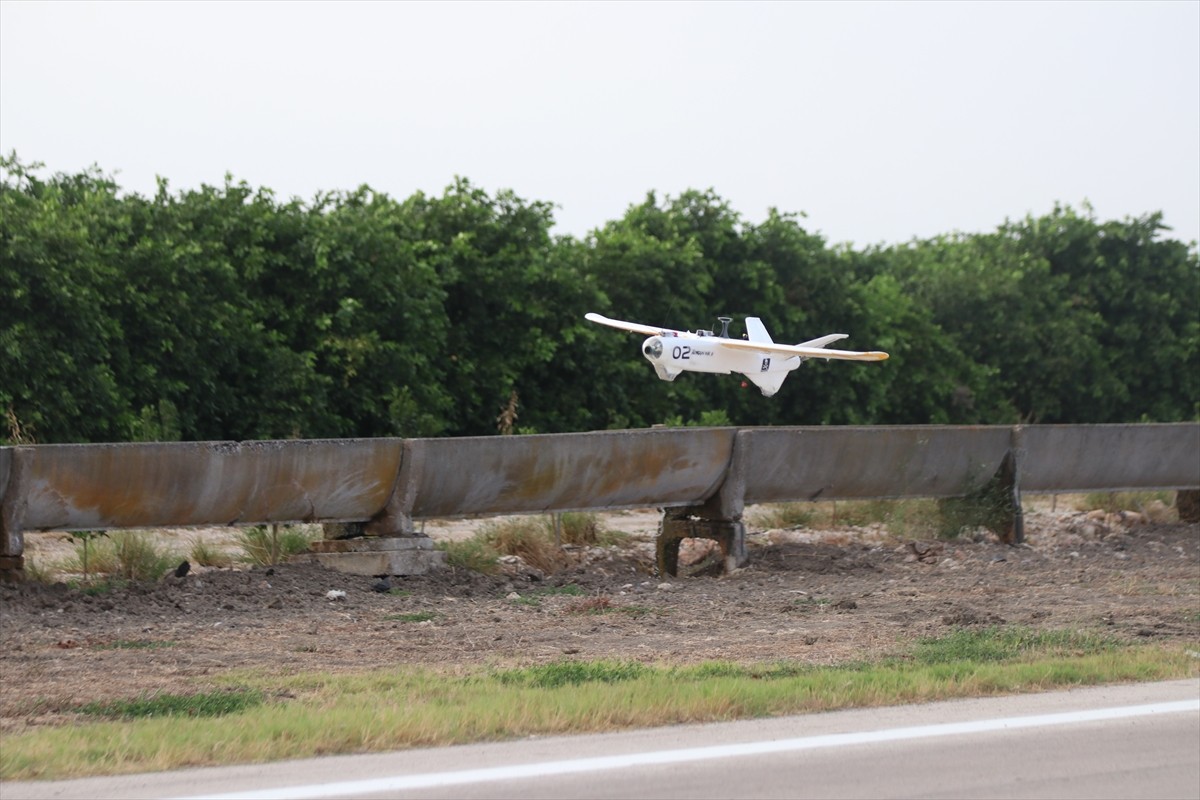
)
(681, 352)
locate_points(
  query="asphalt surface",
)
(1131, 741)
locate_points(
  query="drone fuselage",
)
(761, 360)
(673, 354)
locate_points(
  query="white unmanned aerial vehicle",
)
(757, 357)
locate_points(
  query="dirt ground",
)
(812, 596)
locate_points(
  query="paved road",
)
(1121, 742)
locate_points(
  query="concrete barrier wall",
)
(1077, 458)
(5, 469)
(563, 472)
(80, 487)
(71, 487)
(11, 543)
(827, 463)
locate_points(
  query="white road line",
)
(436, 779)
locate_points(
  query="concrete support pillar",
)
(377, 555)
(719, 518)
(12, 541)
(995, 506)
(1187, 503)
(1016, 452)
(12, 569)
(395, 520)
(388, 543)
(681, 523)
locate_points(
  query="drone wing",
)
(804, 352)
(627, 326)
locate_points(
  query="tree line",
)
(225, 312)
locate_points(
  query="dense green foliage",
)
(225, 313)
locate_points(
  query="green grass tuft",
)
(573, 673)
(122, 556)
(532, 538)
(526, 537)
(211, 704)
(206, 555)
(994, 644)
(475, 554)
(1114, 502)
(265, 545)
(535, 597)
(586, 529)
(783, 516)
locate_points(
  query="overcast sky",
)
(880, 121)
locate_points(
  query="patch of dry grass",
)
(919, 517)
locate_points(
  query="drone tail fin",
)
(756, 331)
(768, 382)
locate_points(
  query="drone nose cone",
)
(653, 347)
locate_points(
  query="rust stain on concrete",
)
(206, 483)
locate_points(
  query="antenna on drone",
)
(725, 326)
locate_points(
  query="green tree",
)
(1010, 313)
(374, 315)
(200, 338)
(1139, 293)
(62, 347)
(222, 313)
(493, 259)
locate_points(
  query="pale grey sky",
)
(880, 121)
